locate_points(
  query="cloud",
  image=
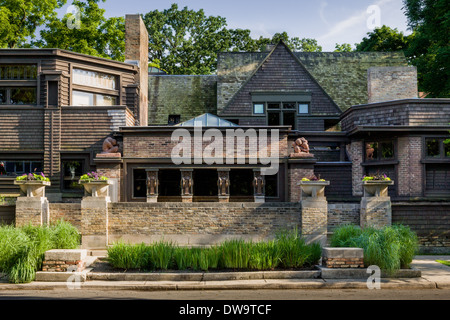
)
(352, 24)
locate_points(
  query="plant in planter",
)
(95, 185)
(313, 187)
(32, 184)
(376, 185)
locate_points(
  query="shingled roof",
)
(343, 75)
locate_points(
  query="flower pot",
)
(313, 189)
(32, 188)
(99, 188)
(377, 188)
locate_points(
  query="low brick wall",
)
(70, 212)
(343, 213)
(200, 223)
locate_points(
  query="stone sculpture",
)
(301, 149)
(110, 146)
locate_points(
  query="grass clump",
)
(390, 248)
(22, 249)
(287, 250)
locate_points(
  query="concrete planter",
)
(376, 188)
(32, 188)
(313, 189)
(96, 188)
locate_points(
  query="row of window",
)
(27, 95)
(296, 107)
(436, 148)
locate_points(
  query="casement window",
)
(18, 84)
(139, 183)
(72, 170)
(93, 88)
(377, 151)
(174, 119)
(19, 167)
(437, 148)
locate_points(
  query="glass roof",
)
(207, 120)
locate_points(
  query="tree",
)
(94, 34)
(429, 47)
(345, 47)
(383, 39)
(19, 19)
(187, 41)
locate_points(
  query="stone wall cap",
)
(66, 254)
(342, 252)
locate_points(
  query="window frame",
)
(8, 83)
(117, 93)
(379, 157)
(442, 155)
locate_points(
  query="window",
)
(281, 114)
(94, 79)
(258, 108)
(437, 148)
(72, 170)
(52, 93)
(19, 167)
(18, 72)
(379, 150)
(174, 119)
(22, 93)
(303, 108)
(81, 98)
(271, 185)
(139, 183)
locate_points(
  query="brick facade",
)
(410, 168)
(391, 83)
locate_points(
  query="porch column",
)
(258, 186)
(187, 185)
(152, 185)
(224, 185)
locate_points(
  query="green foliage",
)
(22, 249)
(384, 39)
(33, 176)
(19, 19)
(390, 248)
(288, 250)
(345, 47)
(95, 35)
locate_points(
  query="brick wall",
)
(343, 213)
(355, 152)
(295, 175)
(410, 170)
(391, 83)
(136, 48)
(197, 220)
(70, 212)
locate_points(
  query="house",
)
(359, 113)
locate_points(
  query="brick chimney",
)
(391, 83)
(136, 52)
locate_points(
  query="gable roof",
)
(280, 72)
(207, 120)
(343, 75)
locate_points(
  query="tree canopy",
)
(384, 39)
(19, 19)
(94, 34)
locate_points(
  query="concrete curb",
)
(225, 285)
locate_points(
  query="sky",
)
(327, 21)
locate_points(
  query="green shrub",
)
(390, 248)
(288, 250)
(22, 249)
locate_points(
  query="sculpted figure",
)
(301, 149)
(110, 145)
(152, 185)
(223, 186)
(369, 151)
(258, 184)
(301, 145)
(187, 185)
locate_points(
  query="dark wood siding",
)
(340, 177)
(7, 215)
(21, 128)
(438, 178)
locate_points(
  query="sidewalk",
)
(434, 276)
